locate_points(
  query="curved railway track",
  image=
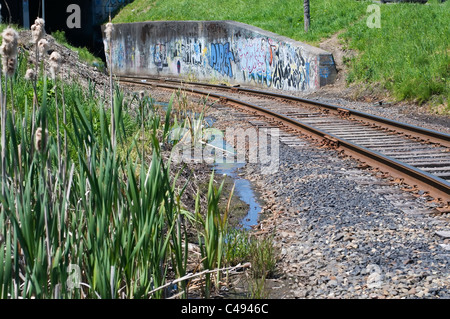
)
(416, 156)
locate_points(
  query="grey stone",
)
(443, 234)
(338, 237)
(332, 283)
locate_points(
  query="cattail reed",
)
(31, 76)
(42, 46)
(37, 34)
(108, 32)
(55, 62)
(8, 51)
(38, 30)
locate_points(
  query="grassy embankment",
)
(408, 56)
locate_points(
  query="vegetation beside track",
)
(89, 214)
(408, 56)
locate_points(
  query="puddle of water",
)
(244, 190)
(243, 187)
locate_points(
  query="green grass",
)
(408, 55)
(242, 247)
(283, 17)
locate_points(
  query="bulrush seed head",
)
(10, 67)
(43, 46)
(30, 75)
(55, 60)
(38, 139)
(9, 44)
(109, 30)
(39, 21)
(8, 50)
(38, 30)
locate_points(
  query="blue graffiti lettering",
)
(221, 58)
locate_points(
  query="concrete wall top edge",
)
(232, 23)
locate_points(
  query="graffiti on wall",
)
(160, 56)
(220, 58)
(290, 70)
(172, 55)
(119, 55)
(273, 64)
(192, 52)
(256, 59)
(129, 50)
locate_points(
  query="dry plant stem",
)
(47, 239)
(47, 178)
(207, 271)
(3, 129)
(3, 141)
(35, 106)
(65, 132)
(68, 193)
(142, 129)
(12, 98)
(36, 67)
(35, 96)
(17, 185)
(113, 121)
(57, 130)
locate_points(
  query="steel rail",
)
(425, 134)
(419, 179)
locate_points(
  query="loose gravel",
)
(344, 233)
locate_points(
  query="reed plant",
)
(212, 236)
(82, 213)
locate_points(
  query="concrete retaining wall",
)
(224, 51)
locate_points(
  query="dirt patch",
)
(335, 46)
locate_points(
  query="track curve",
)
(417, 156)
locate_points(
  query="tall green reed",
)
(92, 204)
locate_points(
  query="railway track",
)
(413, 155)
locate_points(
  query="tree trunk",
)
(306, 14)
